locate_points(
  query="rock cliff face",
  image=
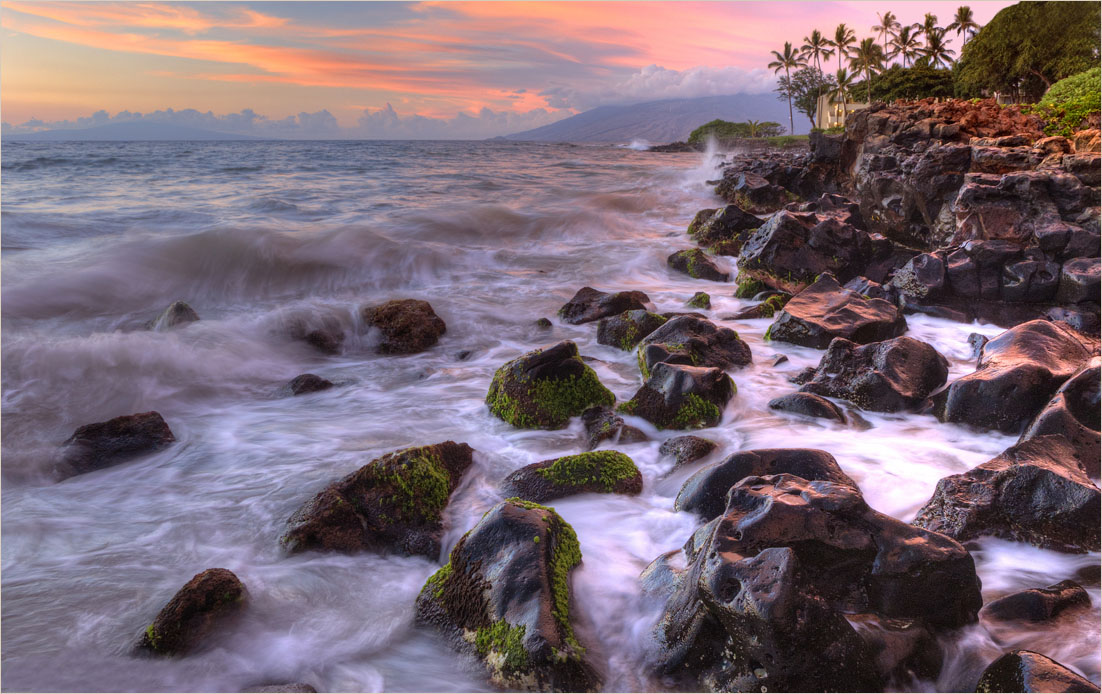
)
(966, 209)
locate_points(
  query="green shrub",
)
(1069, 101)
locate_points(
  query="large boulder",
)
(393, 504)
(178, 313)
(406, 326)
(771, 584)
(791, 249)
(826, 310)
(696, 264)
(590, 304)
(625, 330)
(693, 341)
(808, 405)
(103, 444)
(602, 472)
(1026, 671)
(1037, 604)
(705, 493)
(544, 388)
(682, 397)
(724, 229)
(505, 596)
(1074, 414)
(206, 602)
(1032, 492)
(1019, 371)
(889, 376)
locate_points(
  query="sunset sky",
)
(469, 69)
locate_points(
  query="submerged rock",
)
(705, 493)
(307, 383)
(505, 596)
(700, 300)
(1019, 371)
(590, 304)
(607, 472)
(178, 313)
(686, 449)
(1037, 604)
(809, 405)
(825, 310)
(1032, 492)
(287, 688)
(1026, 671)
(889, 376)
(682, 397)
(696, 264)
(624, 331)
(693, 341)
(205, 603)
(603, 424)
(1074, 414)
(407, 326)
(395, 503)
(104, 444)
(544, 388)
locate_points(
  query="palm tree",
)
(905, 44)
(843, 39)
(816, 46)
(789, 60)
(887, 27)
(929, 24)
(867, 58)
(937, 51)
(844, 79)
(963, 23)
(753, 125)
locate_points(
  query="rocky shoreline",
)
(791, 582)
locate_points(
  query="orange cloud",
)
(149, 15)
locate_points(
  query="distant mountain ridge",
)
(136, 130)
(668, 120)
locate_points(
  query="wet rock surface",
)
(178, 313)
(1037, 604)
(686, 449)
(590, 304)
(1026, 671)
(1074, 414)
(206, 603)
(696, 264)
(627, 329)
(307, 383)
(681, 397)
(544, 388)
(693, 341)
(505, 597)
(809, 405)
(602, 472)
(724, 229)
(407, 326)
(395, 503)
(603, 424)
(825, 310)
(889, 376)
(104, 444)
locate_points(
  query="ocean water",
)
(263, 237)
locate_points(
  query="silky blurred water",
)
(98, 238)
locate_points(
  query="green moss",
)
(566, 553)
(630, 338)
(643, 364)
(769, 332)
(437, 580)
(743, 202)
(153, 637)
(627, 407)
(695, 413)
(524, 503)
(536, 539)
(505, 639)
(701, 300)
(748, 287)
(421, 483)
(771, 305)
(548, 403)
(606, 468)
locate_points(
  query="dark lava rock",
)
(208, 600)
(544, 388)
(603, 424)
(1084, 321)
(408, 326)
(693, 341)
(923, 277)
(766, 309)
(809, 405)
(1079, 281)
(696, 264)
(889, 376)
(1026, 671)
(1018, 372)
(178, 313)
(393, 504)
(682, 397)
(1074, 414)
(686, 449)
(589, 305)
(1037, 604)
(700, 300)
(753, 193)
(873, 290)
(728, 226)
(103, 444)
(790, 250)
(705, 493)
(1032, 492)
(308, 383)
(780, 359)
(768, 582)
(505, 597)
(602, 472)
(627, 329)
(543, 323)
(977, 342)
(825, 310)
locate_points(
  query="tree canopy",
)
(897, 82)
(804, 87)
(722, 129)
(1031, 45)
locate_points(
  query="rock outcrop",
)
(1074, 414)
(406, 326)
(625, 330)
(590, 304)
(602, 472)
(682, 397)
(207, 602)
(693, 341)
(104, 444)
(825, 310)
(696, 264)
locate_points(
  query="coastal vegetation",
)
(723, 130)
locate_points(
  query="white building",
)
(831, 112)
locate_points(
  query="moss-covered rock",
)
(693, 341)
(544, 388)
(406, 325)
(748, 287)
(603, 424)
(608, 472)
(696, 264)
(590, 304)
(393, 504)
(766, 309)
(504, 596)
(625, 330)
(682, 397)
(728, 226)
(700, 300)
(207, 601)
